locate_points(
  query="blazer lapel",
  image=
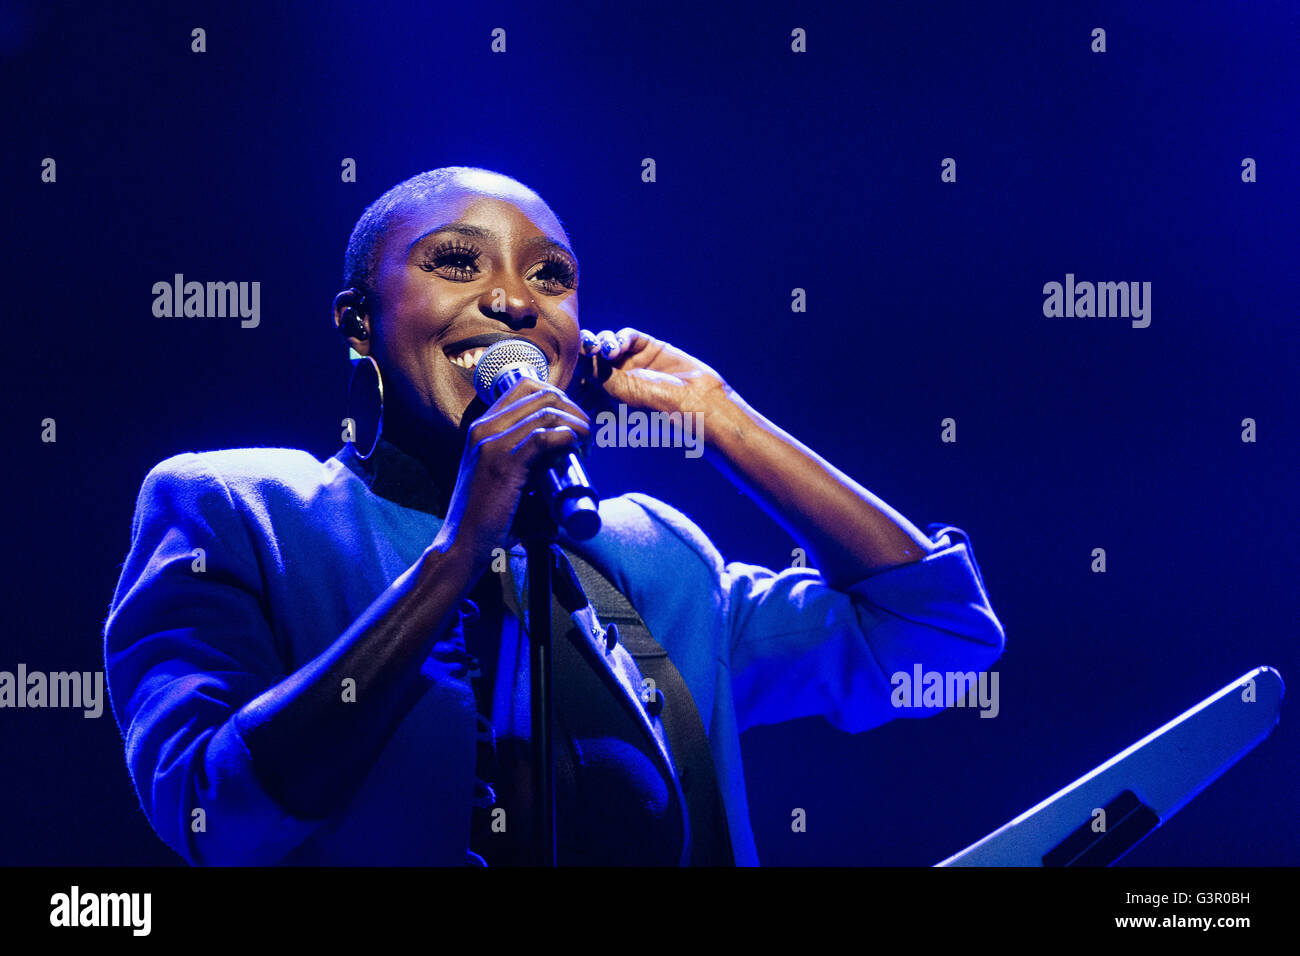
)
(616, 666)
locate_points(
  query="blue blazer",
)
(294, 549)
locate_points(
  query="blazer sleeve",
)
(187, 642)
(798, 648)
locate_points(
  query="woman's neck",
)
(438, 449)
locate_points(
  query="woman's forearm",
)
(846, 530)
(314, 739)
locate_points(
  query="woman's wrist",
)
(457, 554)
(454, 556)
(728, 424)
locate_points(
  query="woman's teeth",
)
(468, 359)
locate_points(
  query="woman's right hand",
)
(519, 432)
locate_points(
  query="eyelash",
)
(442, 256)
(563, 270)
(462, 260)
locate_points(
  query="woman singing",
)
(327, 662)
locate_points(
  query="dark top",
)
(615, 803)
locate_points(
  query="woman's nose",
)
(509, 303)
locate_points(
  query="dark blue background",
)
(775, 171)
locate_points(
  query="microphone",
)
(569, 494)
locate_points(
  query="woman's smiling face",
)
(484, 259)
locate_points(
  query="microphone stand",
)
(538, 531)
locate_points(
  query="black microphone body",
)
(563, 482)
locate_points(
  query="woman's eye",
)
(460, 263)
(556, 274)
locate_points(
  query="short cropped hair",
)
(361, 260)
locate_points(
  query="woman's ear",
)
(352, 320)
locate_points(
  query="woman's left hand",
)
(641, 371)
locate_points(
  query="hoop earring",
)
(373, 410)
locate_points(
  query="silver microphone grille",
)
(508, 353)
